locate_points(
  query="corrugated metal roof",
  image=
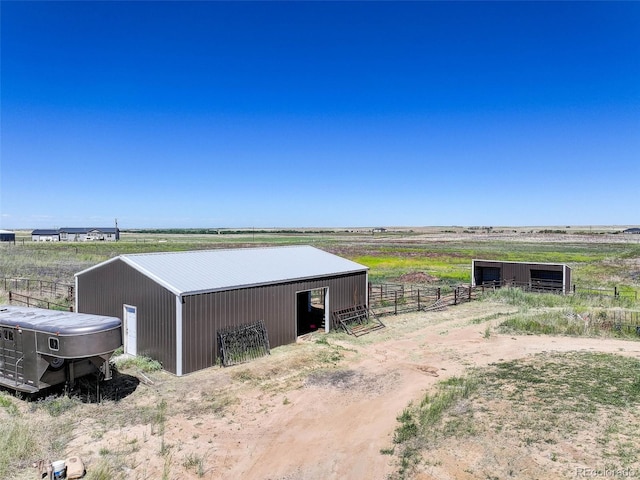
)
(211, 270)
(87, 230)
(521, 263)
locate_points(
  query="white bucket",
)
(58, 469)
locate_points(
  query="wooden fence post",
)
(395, 302)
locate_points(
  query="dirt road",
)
(267, 420)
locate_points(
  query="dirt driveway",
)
(279, 418)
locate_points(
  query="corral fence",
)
(546, 286)
(357, 320)
(394, 298)
(37, 302)
(391, 299)
(41, 287)
(557, 287)
(605, 292)
(239, 344)
(622, 321)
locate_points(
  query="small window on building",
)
(53, 344)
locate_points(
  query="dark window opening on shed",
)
(487, 275)
(546, 280)
(311, 310)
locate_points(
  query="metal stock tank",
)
(40, 348)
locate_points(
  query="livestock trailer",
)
(40, 348)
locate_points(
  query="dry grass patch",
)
(540, 417)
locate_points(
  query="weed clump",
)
(141, 363)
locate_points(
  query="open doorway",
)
(311, 313)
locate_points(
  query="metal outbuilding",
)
(174, 304)
(7, 236)
(45, 235)
(554, 277)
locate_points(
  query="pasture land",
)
(598, 259)
(516, 385)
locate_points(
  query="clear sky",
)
(319, 114)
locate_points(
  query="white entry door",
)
(130, 340)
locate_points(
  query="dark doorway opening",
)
(487, 276)
(311, 310)
(546, 280)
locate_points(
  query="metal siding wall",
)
(205, 314)
(521, 272)
(104, 291)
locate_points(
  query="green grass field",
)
(452, 413)
(595, 261)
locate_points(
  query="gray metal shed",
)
(7, 236)
(173, 304)
(555, 277)
(45, 235)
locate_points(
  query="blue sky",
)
(319, 114)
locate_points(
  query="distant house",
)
(76, 235)
(89, 234)
(45, 236)
(7, 236)
(632, 230)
